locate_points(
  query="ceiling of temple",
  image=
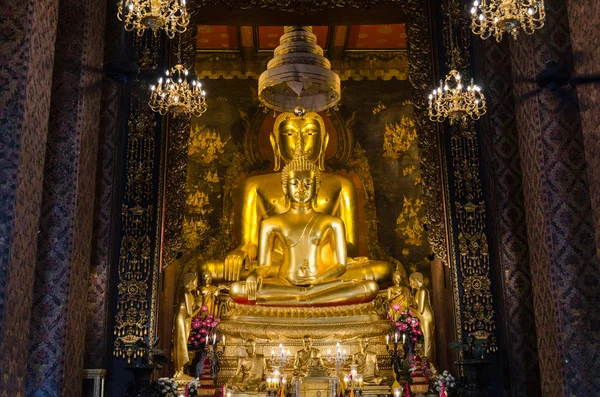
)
(261, 38)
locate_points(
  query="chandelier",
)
(299, 76)
(175, 94)
(494, 17)
(456, 101)
(168, 15)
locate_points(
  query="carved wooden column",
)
(560, 225)
(29, 31)
(584, 24)
(509, 246)
(57, 329)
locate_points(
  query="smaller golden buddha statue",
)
(308, 361)
(305, 236)
(188, 306)
(421, 306)
(210, 294)
(250, 373)
(398, 294)
(367, 365)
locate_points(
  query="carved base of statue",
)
(324, 323)
(375, 390)
(315, 386)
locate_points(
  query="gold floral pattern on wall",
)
(410, 222)
(206, 143)
(398, 137)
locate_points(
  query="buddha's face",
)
(396, 279)
(304, 132)
(250, 348)
(307, 343)
(301, 186)
(207, 280)
(364, 344)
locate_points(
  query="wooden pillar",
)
(29, 31)
(57, 329)
(560, 224)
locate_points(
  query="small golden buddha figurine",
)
(398, 294)
(366, 362)
(308, 361)
(304, 235)
(250, 373)
(189, 306)
(210, 294)
(261, 197)
(422, 308)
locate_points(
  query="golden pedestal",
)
(315, 386)
(376, 391)
(335, 323)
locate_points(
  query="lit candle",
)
(397, 392)
(223, 340)
(214, 338)
(269, 383)
(387, 339)
(403, 338)
(395, 337)
(272, 354)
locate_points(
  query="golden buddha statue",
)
(250, 373)
(308, 361)
(366, 364)
(262, 197)
(421, 306)
(305, 237)
(210, 294)
(189, 305)
(398, 294)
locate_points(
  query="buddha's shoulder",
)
(338, 180)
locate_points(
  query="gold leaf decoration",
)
(410, 222)
(206, 143)
(398, 137)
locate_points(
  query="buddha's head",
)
(397, 278)
(207, 279)
(307, 342)
(190, 281)
(364, 344)
(300, 180)
(250, 346)
(416, 280)
(305, 131)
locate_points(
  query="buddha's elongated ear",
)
(324, 142)
(276, 150)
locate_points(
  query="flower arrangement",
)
(192, 388)
(166, 387)
(407, 323)
(446, 379)
(202, 326)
